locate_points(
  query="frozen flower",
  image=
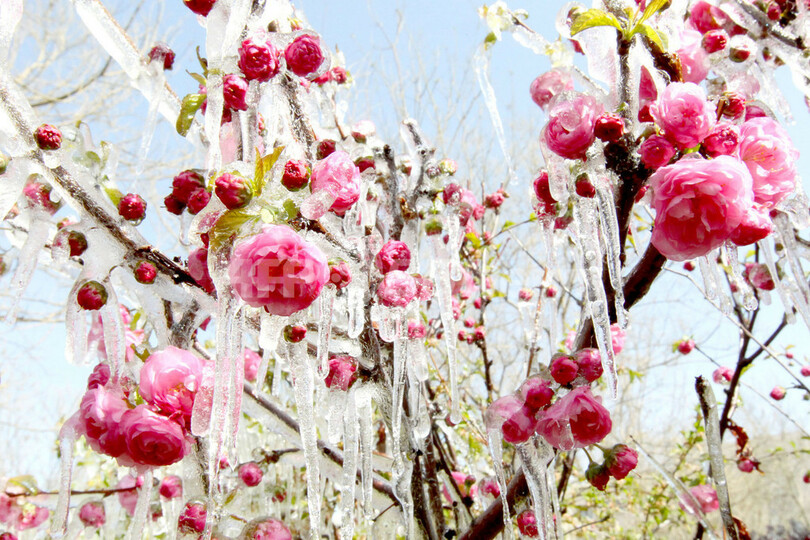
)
(769, 154)
(722, 141)
(339, 176)
(48, 137)
(252, 362)
(234, 92)
(92, 514)
(703, 498)
(683, 114)
(266, 529)
(198, 269)
(563, 368)
(516, 421)
(620, 460)
(192, 518)
(549, 84)
(694, 58)
(258, 60)
(527, 524)
(755, 226)
(589, 362)
(100, 414)
(394, 255)
(758, 275)
(152, 439)
(570, 128)
(250, 474)
(617, 336)
(536, 392)
(397, 289)
(722, 374)
(233, 190)
(171, 487)
(685, 346)
(304, 55)
(342, 373)
(656, 151)
(169, 381)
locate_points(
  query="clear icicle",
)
(67, 439)
(711, 281)
(534, 467)
(113, 326)
(38, 230)
(441, 272)
(327, 303)
(236, 379)
(481, 66)
(556, 518)
(335, 415)
(496, 449)
(453, 246)
(303, 386)
(76, 337)
(149, 127)
(591, 269)
(213, 118)
(709, 284)
(13, 181)
(613, 249)
(398, 383)
(798, 283)
(365, 417)
(139, 521)
(781, 289)
(356, 304)
(350, 441)
(222, 380)
(749, 299)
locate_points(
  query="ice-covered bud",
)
(448, 166)
(174, 205)
(551, 291)
(250, 474)
(145, 272)
(171, 487)
(769, 154)
(278, 270)
(758, 275)
(774, 11)
(589, 362)
(266, 529)
(462, 335)
(569, 131)
(365, 163)
(91, 296)
(92, 514)
(132, 207)
(527, 524)
(609, 127)
(495, 200)
(584, 187)
(706, 498)
(620, 460)
(342, 373)
(722, 375)
(186, 183)
(684, 114)
(339, 274)
(39, 196)
(617, 336)
(198, 200)
(77, 243)
(339, 176)
(162, 53)
(424, 288)
(198, 269)
(479, 333)
(536, 392)
(99, 377)
(294, 333)
(746, 465)
(233, 191)
(563, 368)
(589, 421)
(258, 60)
(656, 151)
(755, 226)
(296, 175)
(304, 55)
(397, 289)
(547, 205)
(416, 329)
(489, 486)
(234, 92)
(805, 371)
(48, 137)
(252, 360)
(688, 266)
(152, 439)
(714, 40)
(525, 295)
(394, 255)
(325, 148)
(469, 322)
(778, 393)
(685, 346)
(740, 50)
(698, 204)
(363, 130)
(192, 518)
(732, 105)
(478, 302)
(549, 84)
(722, 141)
(597, 476)
(339, 74)
(704, 17)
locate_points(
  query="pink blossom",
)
(171, 487)
(617, 336)
(464, 287)
(683, 114)
(339, 176)
(342, 373)
(339, 275)
(394, 255)
(169, 380)
(778, 393)
(706, 498)
(257, 60)
(198, 269)
(192, 518)
(770, 156)
(278, 270)
(698, 205)
(536, 392)
(621, 460)
(397, 289)
(549, 84)
(416, 330)
(755, 226)
(704, 17)
(547, 205)
(590, 364)
(489, 486)
(100, 414)
(266, 529)
(723, 140)
(234, 92)
(805, 371)
(554, 426)
(250, 474)
(31, 517)
(92, 514)
(252, 362)
(686, 346)
(304, 55)
(590, 421)
(128, 498)
(570, 128)
(758, 275)
(152, 439)
(693, 57)
(527, 524)
(563, 368)
(516, 421)
(722, 374)
(99, 377)
(656, 151)
(646, 86)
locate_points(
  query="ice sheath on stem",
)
(496, 450)
(67, 439)
(441, 276)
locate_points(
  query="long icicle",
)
(67, 440)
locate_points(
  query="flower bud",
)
(174, 205)
(416, 329)
(778, 393)
(609, 127)
(563, 368)
(394, 255)
(688, 266)
(162, 53)
(479, 333)
(186, 183)
(363, 130)
(746, 465)
(397, 289)
(495, 200)
(91, 296)
(340, 275)
(171, 487)
(547, 204)
(296, 175)
(656, 152)
(325, 148)
(722, 374)
(584, 187)
(132, 207)
(598, 476)
(685, 346)
(527, 524)
(234, 92)
(258, 61)
(774, 11)
(294, 334)
(192, 518)
(145, 272)
(740, 52)
(433, 227)
(77, 243)
(715, 40)
(551, 291)
(250, 474)
(48, 137)
(525, 295)
(536, 393)
(200, 7)
(732, 105)
(645, 112)
(304, 55)
(342, 373)
(233, 191)
(4, 161)
(620, 460)
(198, 200)
(805, 371)
(589, 364)
(448, 166)
(92, 514)
(462, 335)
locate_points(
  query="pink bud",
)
(394, 255)
(778, 393)
(609, 127)
(495, 200)
(723, 140)
(715, 40)
(397, 289)
(774, 11)
(198, 269)
(92, 514)
(563, 368)
(342, 373)
(296, 175)
(295, 334)
(740, 51)
(304, 55)
(250, 474)
(198, 200)
(258, 60)
(722, 374)
(339, 275)
(688, 266)
(758, 275)
(489, 486)
(686, 346)
(620, 460)
(733, 105)
(525, 295)
(48, 137)
(547, 204)
(77, 243)
(656, 152)
(234, 92)
(200, 7)
(480, 333)
(527, 524)
(163, 54)
(551, 291)
(805, 371)
(536, 392)
(186, 183)
(233, 191)
(746, 465)
(174, 205)
(584, 187)
(192, 519)
(549, 84)
(325, 148)
(132, 207)
(570, 128)
(416, 330)
(589, 363)
(91, 296)
(145, 272)
(171, 487)
(477, 303)
(598, 476)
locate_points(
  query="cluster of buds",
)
(188, 191)
(617, 463)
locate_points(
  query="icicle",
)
(398, 384)
(356, 304)
(213, 118)
(236, 380)
(327, 302)
(350, 441)
(711, 281)
(10, 13)
(417, 360)
(591, 270)
(534, 467)
(38, 230)
(365, 416)
(14, 179)
(159, 82)
(303, 386)
(203, 402)
(441, 273)
(222, 382)
(481, 66)
(555, 518)
(613, 249)
(67, 439)
(496, 449)
(114, 339)
(749, 299)
(781, 289)
(798, 283)
(275, 390)
(135, 531)
(76, 338)
(335, 415)
(454, 246)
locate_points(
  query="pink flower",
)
(39, 196)
(464, 287)
(516, 421)
(563, 368)
(32, 517)
(590, 363)
(233, 191)
(693, 57)
(683, 114)
(778, 393)
(547, 205)
(394, 255)
(621, 460)
(705, 17)
(192, 518)
(723, 140)
(489, 486)
(555, 428)
(698, 205)
(646, 86)
(339, 275)
(234, 92)
(656, 151)
(198, 269)
(257, 60)
(252, 362)
(100, 414)
(99, 377)
(770, 156)
(416, 330)
(706, 498)
(171, 487)
(549, 84)
(278, 270)
(805, 371)
(686, 346)
(590, 421)
(755, 226)
(92, 514)
(570, 128)
(424, 288)
(266, 529)
(152, 439)
(339, 176)
(527, 524)
(169, 380)
(397, 289)
(536, 392)
(342, 373)
(250, 474)
(304, 55)
(128, 498)
(758, 275)
(722, 374)
(617, 336)
(746, 465)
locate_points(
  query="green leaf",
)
(474, 240)
(652, 34)
(27, 482)
(199, 78)
(490, 40)
(191, 104)
(592, 18)
(263, 167)
(291, 209)
(203, 62)
(113, 193)
(651, 9)
(228, 225)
